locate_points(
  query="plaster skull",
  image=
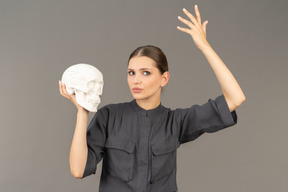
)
(86, 81)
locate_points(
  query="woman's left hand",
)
(197, 30)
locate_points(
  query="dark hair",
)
(154, 53)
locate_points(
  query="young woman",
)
(138, 140)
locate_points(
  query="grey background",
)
(40, 39)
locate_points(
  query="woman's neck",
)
(148, 104)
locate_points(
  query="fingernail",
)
(179, 17)
(196, 6)
(184, 9)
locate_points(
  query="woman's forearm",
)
(232, 92)
(79, 151)
(230, 88)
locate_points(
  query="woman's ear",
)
(165, 78)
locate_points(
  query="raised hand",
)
(196, 29)
(72, 98)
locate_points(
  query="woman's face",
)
(144, 78)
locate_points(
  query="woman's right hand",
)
(78, 150)
(72, 98)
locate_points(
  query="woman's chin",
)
(138, 96)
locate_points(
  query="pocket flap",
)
(120, 143)
(165, 146)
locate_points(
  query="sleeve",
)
(212, 116)
(96, 139)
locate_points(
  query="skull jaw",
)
(89, 104)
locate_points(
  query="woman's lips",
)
(136, 90)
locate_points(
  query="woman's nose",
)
(137, 79)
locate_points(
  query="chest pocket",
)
(163, 158)
(120, 157)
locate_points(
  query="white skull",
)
(86, 81)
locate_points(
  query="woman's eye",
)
(146, 73)
(131, 73)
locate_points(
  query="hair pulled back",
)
(154, 53)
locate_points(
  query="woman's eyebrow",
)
(142, 69)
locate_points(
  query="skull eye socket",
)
(91, 84)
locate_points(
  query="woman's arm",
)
(79, 149)
(230, 88)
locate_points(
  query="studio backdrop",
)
(40, 39)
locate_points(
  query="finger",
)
(188, 23)
(65, 90)
(198, 16)
(60, 88)
(184, 30)
(191, 17)
(204, 26)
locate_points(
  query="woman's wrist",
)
(207, 48)
(82, 111)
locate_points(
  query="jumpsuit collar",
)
(147, 113)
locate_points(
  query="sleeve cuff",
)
(229, 118)
(90, 167)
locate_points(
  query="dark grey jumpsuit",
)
(139, 146)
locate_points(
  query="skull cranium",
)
(86, 81)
